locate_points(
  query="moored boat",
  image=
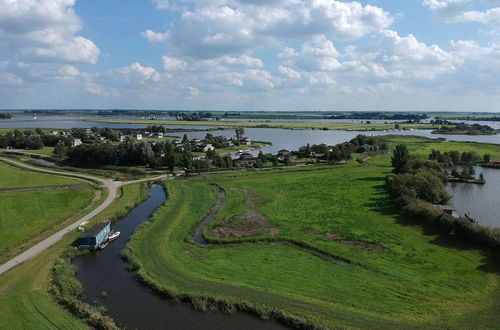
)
(114, 235)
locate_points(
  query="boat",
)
(103, 245)
(114, 235)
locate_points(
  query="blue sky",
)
(251, 54)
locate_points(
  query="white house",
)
(159, 135)
(138, 136)
(77, 142)
(208, 147)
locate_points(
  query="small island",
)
(463, 128)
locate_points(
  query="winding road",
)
(112, 187)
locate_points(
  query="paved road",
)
(112, 187)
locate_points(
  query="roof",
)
(95, 230)
(445, 207)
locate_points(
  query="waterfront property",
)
(95, 236)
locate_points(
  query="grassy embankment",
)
(288, 125)
(399, 275)
(33, 204)
(25, 301)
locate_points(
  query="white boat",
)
(103, 245)
(113, 236)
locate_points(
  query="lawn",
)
(397, 275)
(290, 125)
(25, 302)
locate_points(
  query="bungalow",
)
(95, 236)
(245, 159)
(77, 142)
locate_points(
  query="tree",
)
(239, 131)
(487, 158)
(400, 159)
(170, 162)
(60, 150)
(288, 160)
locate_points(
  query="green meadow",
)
(25, 302)
(13, 177)
(395, 274)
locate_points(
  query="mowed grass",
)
(414, 279)
(25, 214)
(25, 302)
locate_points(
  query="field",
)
(288, 125)
(13, 177)
(25, 302)
(32, 203)
(374, 269)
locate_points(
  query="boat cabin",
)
(95, 236)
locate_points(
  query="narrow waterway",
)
(106, 280)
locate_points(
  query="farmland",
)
(397, 274)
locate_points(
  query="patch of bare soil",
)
(357, 244)
(252, 223)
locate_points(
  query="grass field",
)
(24, 300)
(37, 211)
(290, 125)
(13, 177)
(398, 275)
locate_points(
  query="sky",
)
(425, 55)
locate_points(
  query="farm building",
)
(95, 236)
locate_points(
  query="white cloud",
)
(44, 30)
(153, 36)
(462, 11)
(171, 64)
(209, 31)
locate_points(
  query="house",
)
(495, 162)
(77, 142)
(245, 159)
(208, 147)
(245, 141)
(95, 236)
(159, 135)
(283, 153)
(138, 137)
(450, 210)
(123, 138)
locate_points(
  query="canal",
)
(132, 305)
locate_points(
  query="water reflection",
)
(481, 201)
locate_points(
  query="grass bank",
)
(399, 275)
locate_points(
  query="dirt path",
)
(111, 186)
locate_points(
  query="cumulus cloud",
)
(44, 30)
(463, 11)
(208, 31)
